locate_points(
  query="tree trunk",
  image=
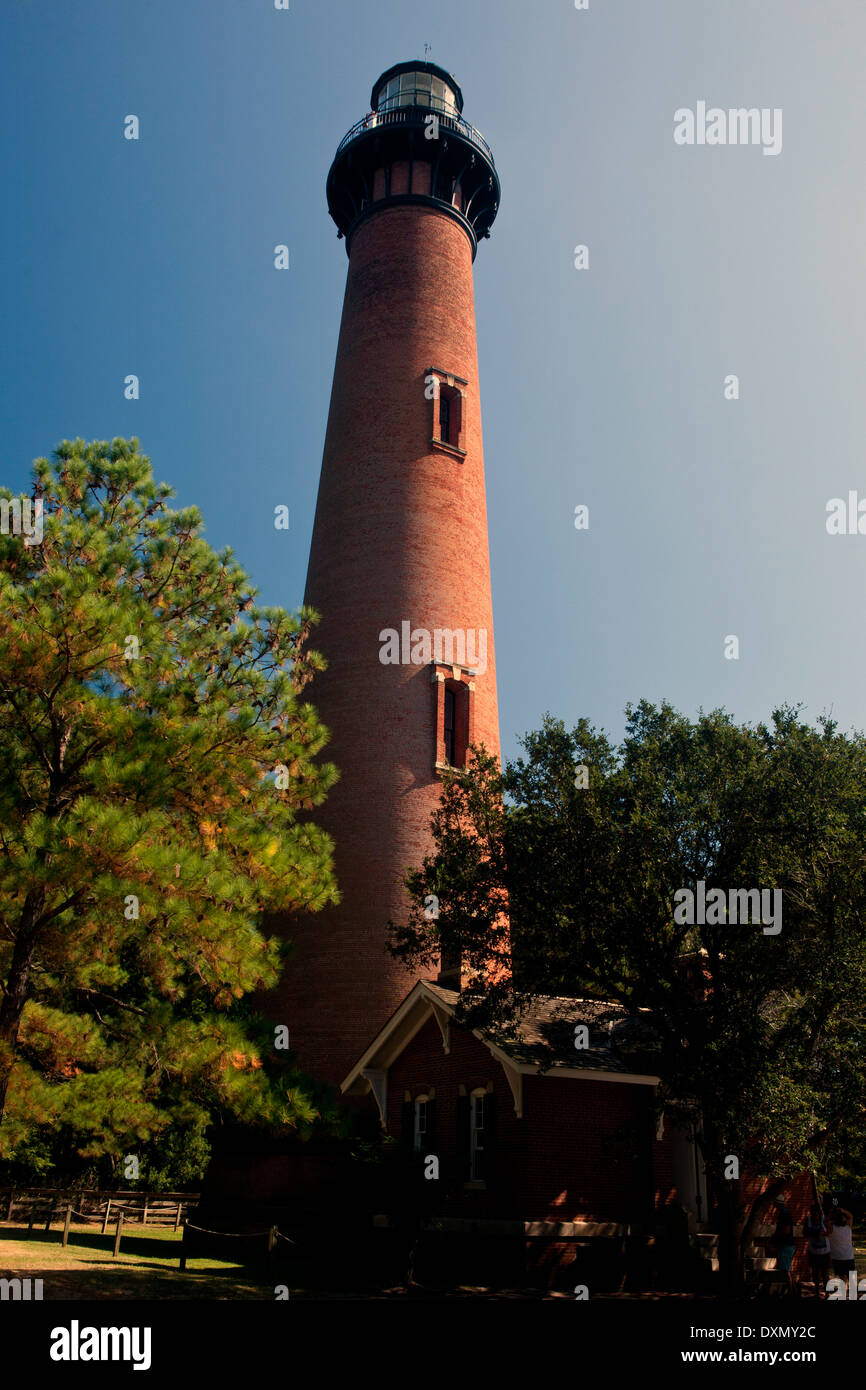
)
(730, 1250)
(728, 1213)
(17, 986)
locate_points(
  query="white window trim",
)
(423, 1099)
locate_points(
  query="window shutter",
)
(463, 1141)
(407, 1135)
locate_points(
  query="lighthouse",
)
(399, 566)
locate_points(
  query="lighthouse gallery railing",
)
(416, 115)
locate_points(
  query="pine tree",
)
(157, 760)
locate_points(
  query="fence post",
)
(105, 1218)
(66, 1224)
(177, 1217)
(32, 1215)
(117, 1233)
(183, 1248)
(10, 1204)
(50, 1215)
(144, 1218)
(272, 1240)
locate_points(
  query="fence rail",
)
(216, 1241)
(47, 1204)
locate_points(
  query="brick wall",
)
(564, 1159)
(400, 534)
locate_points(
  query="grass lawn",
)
(147, 1266)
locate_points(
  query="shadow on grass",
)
(94, 1240)
(125, 1282)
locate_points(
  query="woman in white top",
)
(840, 1236)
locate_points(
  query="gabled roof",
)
(542, 1041)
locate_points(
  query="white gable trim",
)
(420, 1005)
(378, 1080)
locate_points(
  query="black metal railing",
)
(416, 115)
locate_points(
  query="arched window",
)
(454, 693)
(448, 414)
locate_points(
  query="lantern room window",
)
(417, 89)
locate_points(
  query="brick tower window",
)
(454, 688)
(450, 702)
(445, 418)
(450, 416)
(455, 723)
(448, 421)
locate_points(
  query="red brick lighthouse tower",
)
(399, 568)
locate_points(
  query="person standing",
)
(840, 1236)
(818, 1248)
(677, 1245)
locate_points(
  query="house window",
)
(421, 1126)
(477, 1108)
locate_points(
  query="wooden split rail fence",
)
(43, 1205)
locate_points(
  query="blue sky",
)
(603, 387)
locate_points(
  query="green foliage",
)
(145, 703)
(761, 1036)
(177, 1160)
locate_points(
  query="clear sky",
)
(602, 386)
